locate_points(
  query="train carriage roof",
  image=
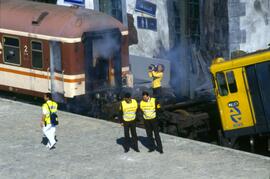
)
(52, 22)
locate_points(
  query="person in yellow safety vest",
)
(149, 107)
(48, 129)
(157, 76)
(128, 110)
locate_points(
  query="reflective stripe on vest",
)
(129, 110)
(53, 107)
(148, 108)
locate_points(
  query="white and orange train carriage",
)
(68, 51)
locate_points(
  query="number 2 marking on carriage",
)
(25, 50)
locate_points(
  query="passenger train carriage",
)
(65, 50)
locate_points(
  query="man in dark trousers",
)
(128, 110)
(149, 107)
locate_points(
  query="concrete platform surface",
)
(88, 148)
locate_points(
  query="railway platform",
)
(91, 148)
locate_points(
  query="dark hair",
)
(145, 93)
(127, 95)
(49, 95)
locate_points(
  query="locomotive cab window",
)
(11, 50)
(231, 82)
(36, 49)
(222, 85)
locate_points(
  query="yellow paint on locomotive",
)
(232, 90)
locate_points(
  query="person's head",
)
(47, 96)
(145, 96)
(127, 97)
(160, 68)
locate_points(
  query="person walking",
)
(149, 107)
(47, 124)
(128, 109)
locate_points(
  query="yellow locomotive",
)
(242, 89)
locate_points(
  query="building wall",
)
(151, 42)
(94, 4)
(249, 22)
(214, 39)
(255, 25)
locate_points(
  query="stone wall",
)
(151, 42)
(254, 24)
(214, 28)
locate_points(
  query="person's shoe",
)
(126, 150)
(137, 150)
(52, 146)
(151, 150)
(160, 151)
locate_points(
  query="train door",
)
(56, 81)
(258, 79)
(102, 59)
(233, 102)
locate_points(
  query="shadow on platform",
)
(143, 140)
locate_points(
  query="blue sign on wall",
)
(146, 7)
(80, 2)
(147, 23)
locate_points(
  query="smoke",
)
(105, 46)
(190, 75)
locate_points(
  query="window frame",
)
(3, 55)
(218, 84)
(193, 22)
(111, 9)
(228, 84)
(42, 57)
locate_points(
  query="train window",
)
(231, 82)
(11, 50)
(36, 48)
(222, 85)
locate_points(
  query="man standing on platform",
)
(128, 109)
(149, 107)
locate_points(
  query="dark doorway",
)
(103, 67)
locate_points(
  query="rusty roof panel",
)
(52, 20)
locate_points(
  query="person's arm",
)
(158, 106)
(44, 112)
(150, 74)
(157, 74)
(42, 121)
(120, 114)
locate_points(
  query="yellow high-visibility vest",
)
(157, 77)
(129, 110)
(53, 107)
(148, 108)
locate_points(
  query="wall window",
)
(111, 7)
(11, 50)
(177, 21)
(37, 55)
(193, 20)
(222, 85)
(231, 82)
